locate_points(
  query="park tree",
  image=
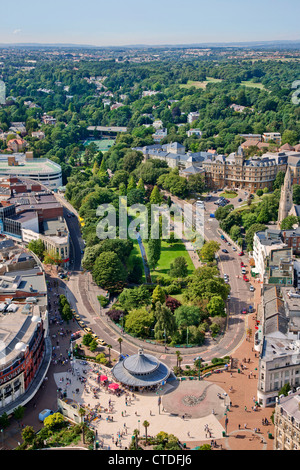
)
(196, 183)
(250, 234)
(216, 306)
(154, 251)
(130, 298)
(54, 421)
(172, 303)
(179, 267)
(235, 232)
(131, 184)
(296, 194)
(155, 197)
(209, 250)
(109, 272)
(165, 322)
(279, 180)
(139, 321)
(28, 434)
(188, 315)
(205, 283)
(289, 222)
(37, 247)
(158, 295)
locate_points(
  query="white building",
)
(194, 132)
(263, 244)
(193, 116)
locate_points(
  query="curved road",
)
(82, 293)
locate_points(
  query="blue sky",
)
(123, 22)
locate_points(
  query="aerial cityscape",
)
(150, 232)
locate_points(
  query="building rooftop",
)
(290, 406)
(27, 167)
(140, 370)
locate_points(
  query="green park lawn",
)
(229, 195)
(203, 84)
(250, 84)
(168, 254)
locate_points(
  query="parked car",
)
(101, 341)
(244, 311)
(252, 289)
(245, 279)
(88, 330)
(234, 248)
(225, 251)
(241, 253)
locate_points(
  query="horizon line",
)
(187, 44)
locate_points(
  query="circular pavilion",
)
(140, 370)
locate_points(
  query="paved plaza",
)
(189, 410)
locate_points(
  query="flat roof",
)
(108, 129)
(24, 167)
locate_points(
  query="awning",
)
(113, 386)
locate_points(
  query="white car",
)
(234, 248)
(252, 289)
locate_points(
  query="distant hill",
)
(278, 44)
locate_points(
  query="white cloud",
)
(17, 31)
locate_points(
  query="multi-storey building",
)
(236, 171)
(272, 136)
(25, 348)
(41, 170)
(287, 422)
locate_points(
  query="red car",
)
(242, 264)
(241, 253)
(245, 279)
(244, 311)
